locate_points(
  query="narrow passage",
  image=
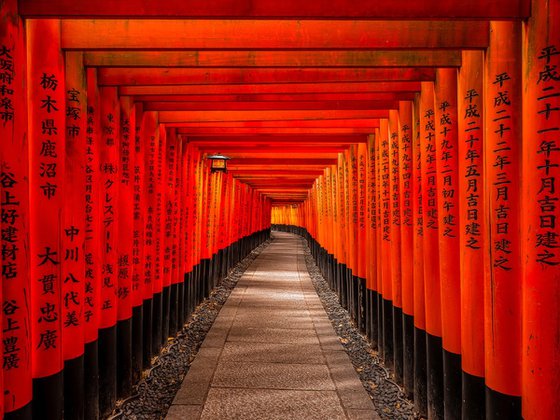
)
(272, 352)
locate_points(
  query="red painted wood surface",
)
(139, 209)
(47, 123)
(448, 206)
(471, 210)
(109, 150)
(406, 163)
(15, 377)
(395, 208)
(227, 76)
(73, 220)
(276, 58)
(418, 218)
(430, 210)
(385, 209)
(286, 9)
(125, 265)
(503, 137)
(156, 34)
(540, 213)
(272, 88)
(93, 222)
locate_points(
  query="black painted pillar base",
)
(124, 358)
(91, 381)
(434, 353)
(373, 323)
(48, 396)
(173, 309)
(388, 343)
(107, 370)
(473, 399)
(398, 344)
(157, 315)
(451, 385)
(23, 413)
(137, 346)
(501, 406)
(74, 388)
(408, 355)
(420, 373)
(380, 343)
(362, 292)
(165, 314)
(147, 315)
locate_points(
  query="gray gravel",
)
(156, 390)
(388, 398)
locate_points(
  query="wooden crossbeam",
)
(352, 58)
(154, 34)
(295, 9)
(272, 88)
(117, 76)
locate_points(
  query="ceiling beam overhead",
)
(256, 115)
(117, 76)
(242, 59)
(272, 88)
(270, 105)
(171, 34)
(295, 9)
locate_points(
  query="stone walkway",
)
(272, 352)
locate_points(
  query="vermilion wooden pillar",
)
(139, 211)
(125, 210)
(386, 224)
(503, 266)
(448, 214)
(47, 128)
(109, 200)
(353, 231)
(371, 252)
(395, 243)
(406, 230)
(471, 230)
(161, 298)
(420, 359)
(379, 241)
(73, 236)
(541, 212)
(92, 247)
(431, 251)
(14, 191)
(150, 139)
(362, 232)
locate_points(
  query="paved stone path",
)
(272, 352)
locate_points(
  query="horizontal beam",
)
(170, 34)
(342, 123)
(240, 173)
(271, 88)
(281, 97)
(271, 154)
(242, 59)
(277, 149)
(276, 105)
(256, 131)
(277, 167)
(191, 116)
(116, 76)
(278, 139)
(396, 9)
(284, 162)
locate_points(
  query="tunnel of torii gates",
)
(415, 144)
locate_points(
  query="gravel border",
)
(388, 397)
(155, 392)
